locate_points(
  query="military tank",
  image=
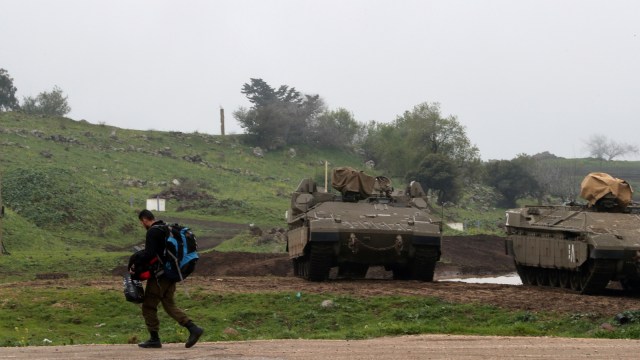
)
(580, 247)
(366, 224)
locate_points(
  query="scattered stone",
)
(607, 327)
(292, 153)
(37, 133)
(46, 154)
(133, 340)
(255, 230)
(370, 164)
(134, 182)
(194, 159)
(231, 332)
(166, 152)
(175, 182)
(327, 304)
(257, 151)
(62, 139)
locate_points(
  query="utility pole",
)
(3, 251)
(221, 121)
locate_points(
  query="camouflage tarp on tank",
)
(346, 179)
(597, 185)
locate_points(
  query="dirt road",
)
(405, 347)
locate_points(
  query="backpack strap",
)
(167, 231)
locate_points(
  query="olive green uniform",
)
(161, 291)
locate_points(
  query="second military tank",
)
(367, 223)
(580, 247)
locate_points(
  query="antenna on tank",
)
(326, 175)
(3, 250)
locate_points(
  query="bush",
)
(52, 103)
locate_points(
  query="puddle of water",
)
(511, 279)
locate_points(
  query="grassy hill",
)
(74, 189)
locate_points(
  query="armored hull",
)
(393, 230)
(576, 247)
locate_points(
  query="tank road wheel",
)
(296, 267)
(530, 276)
(575, 280)
(542, 277)
(554, 279)
(585, 276)
(563, 279)
(595, 275)
(301, 266)
(401, 271)
(319, 262)
(521, 272)
(631, 286)
(424, 263)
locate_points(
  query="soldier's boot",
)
(153, 342)
(194, 334)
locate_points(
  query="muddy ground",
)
(464, 256)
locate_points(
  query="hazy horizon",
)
(522, 77)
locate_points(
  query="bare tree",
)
(600, 147)
(555, 180)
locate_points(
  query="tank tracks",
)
(590, 278)
(315, 266)
(421, 267)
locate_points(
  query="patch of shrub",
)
(54, 197)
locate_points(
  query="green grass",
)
(72, 314)
(76, 263)
(73, 186)
(248, 243)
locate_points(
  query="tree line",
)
(421, 144)
(48, 103)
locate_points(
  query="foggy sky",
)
(521, 76)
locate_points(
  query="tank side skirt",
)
(297, 240)
(570, 268)
(530, 251)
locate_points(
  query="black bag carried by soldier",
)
(133, 290)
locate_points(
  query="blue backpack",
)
(180, 254)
